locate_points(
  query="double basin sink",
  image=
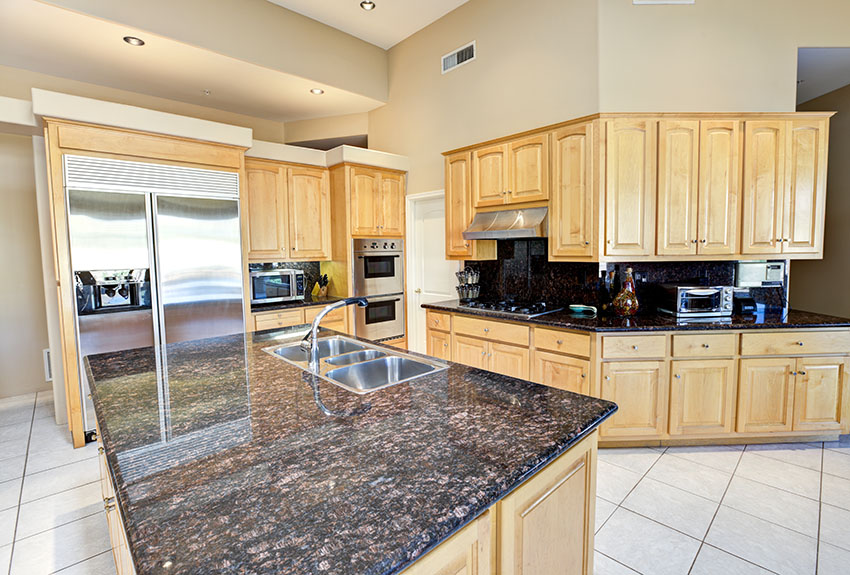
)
(357, 366)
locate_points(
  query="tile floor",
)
(736, 510)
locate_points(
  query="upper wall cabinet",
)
(571, 222)
(764, 175)
(459, 212)
(720, 151)
(377, 203)
(310, 214)
(490, 176)
(512, 173)
(678, 175)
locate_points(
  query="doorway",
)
(431, 277)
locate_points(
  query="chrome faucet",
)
(311, 340)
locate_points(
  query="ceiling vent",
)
(459, 57)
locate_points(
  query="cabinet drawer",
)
(795, 342)
(336, 316)
(562, 341)
(279, 319)
(633, 346)
(440, 321)
(493, 330)
(704, 345)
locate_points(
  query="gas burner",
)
(525, 310)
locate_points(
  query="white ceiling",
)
(821, 70)
(388, 24)
(51, 40)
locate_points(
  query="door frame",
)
(415, 331)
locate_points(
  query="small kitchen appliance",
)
(278, 285)
(687, 301)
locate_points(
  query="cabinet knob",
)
(560, 342)
(706, 346)
(607, 378)
(100, 450)
(445, 345)
(802, 372)
(677, 376)
(793, 373)
(435, 320)
(583, 375)
(587, 243)
(489, 355)
(702, 241)
(800, 343)
(483, 353)
(784, 239)
(466, 244)
(486, 329)
(779, 239)
(634, 347)
(693, 241)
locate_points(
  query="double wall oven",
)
(379, 277)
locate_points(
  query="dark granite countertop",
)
(230, 465)
(772, 319)
(308, 301)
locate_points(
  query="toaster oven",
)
(696, 301)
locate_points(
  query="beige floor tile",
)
(17, 399)
(604, 509)
(713, 561)
(775, 505)
(681, 510)
(766, 544)
(55, 510)
(613, 483)
(719, 457)
(5, 558)
(7, 525)
(12, 468)
(102, 564)
(637, 459)
(44, 460)
(693, 477)
(62, 547)
(17, 410)
(833, 560)
(806, 455)
(10, 494)
(843, 444)
(835, 527)
(12, 448)
(836, 463)
(604, 565)
(836, 491)
(14, 431)
(47, 436)
(780, 474)
(60, 479)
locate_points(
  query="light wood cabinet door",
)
(571, 204)
(702, 397)
(310, 214)
(678, 174)
(467, 552)
(764, 177)
(267, 212)
(470, 351)
(439, 344)
(766, 395)
(528, 170)
(391, 222)
(630, 163)
(458, 205)
(489, 176)
(819, 394)
(561, 371)
(638, 388)
(546, 524)
(805, 186)
(510, 360)
(720, 145)
(365, 202)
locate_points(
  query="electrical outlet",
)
(640, 277)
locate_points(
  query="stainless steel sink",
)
(356, 357)
(378, 373)
(357, 366)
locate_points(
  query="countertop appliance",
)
(520, 309)
(382, 319)
(759, 274)
(271, 286)
(687, 301)
(176, 227)
(378, 266)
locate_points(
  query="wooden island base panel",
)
(673, 386)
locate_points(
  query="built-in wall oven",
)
(378, 266)
(383, 318)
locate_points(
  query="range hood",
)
(508, 225)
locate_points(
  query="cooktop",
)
(520, 309)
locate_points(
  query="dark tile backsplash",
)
(523, 272)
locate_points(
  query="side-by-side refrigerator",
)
(156, 255)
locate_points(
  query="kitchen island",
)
(234, 461)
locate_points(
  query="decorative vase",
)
(626, 302)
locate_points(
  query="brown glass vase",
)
(626, 303)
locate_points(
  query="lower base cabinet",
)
(702, 397)
(544, 526)
(819, 399)
(439, 344)
(639, 390)
(117, 536)
(335, 320)
(561, 371)
(503, 358)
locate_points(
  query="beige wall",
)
(715, 55)
(536, 65)
(23, 327)
(323, 128)
(821, 285)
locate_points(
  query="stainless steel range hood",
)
(509, 224)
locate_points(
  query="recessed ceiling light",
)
(367, 5)
(317, 91)
(133, 41)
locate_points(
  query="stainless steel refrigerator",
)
(156, 255)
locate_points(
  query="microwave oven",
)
(272, 286)
(685, 301)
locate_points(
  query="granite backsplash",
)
(522, 272)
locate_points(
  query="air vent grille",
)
(459, 57)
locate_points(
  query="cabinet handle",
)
(802, 372)
(677, 376)
(705, 345)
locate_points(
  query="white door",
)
(431, 277)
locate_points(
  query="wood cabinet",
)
(439, 344)
(470, 351)
(489, 176)
(819, 394)
(459, 212)
(561, 371)
(377, 203)
(702, 396)
(265, 202)
(571, 213)
(310, 214)
(764, 177)
(336, 320)
(506, 359)
(805, 186)
(720, 151)
(630, 166)
(678, 176)
(467, 552)
(766, 395)
(528, 170)
(638, 388)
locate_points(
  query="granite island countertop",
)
(778, 319)
(230, 464)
